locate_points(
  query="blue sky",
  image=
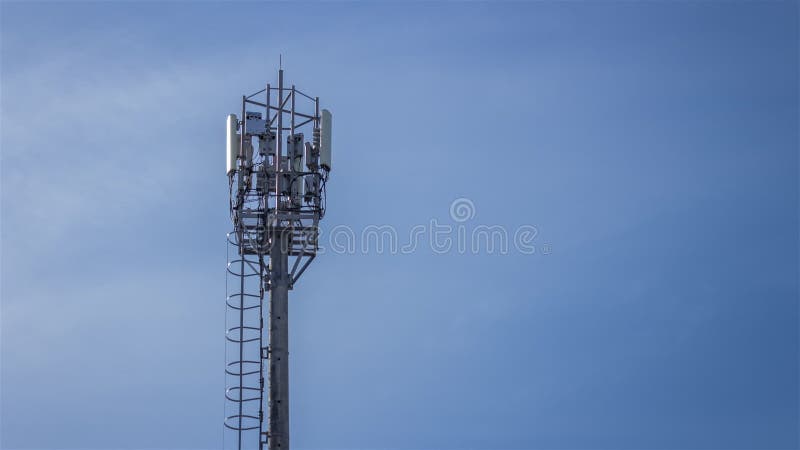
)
(652, 144)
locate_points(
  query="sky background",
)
(654, 145)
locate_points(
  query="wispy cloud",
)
(83, 145)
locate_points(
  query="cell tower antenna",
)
(277, 198)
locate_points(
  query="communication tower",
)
(278, 162)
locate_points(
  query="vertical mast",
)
(279, 341)
(279, 309)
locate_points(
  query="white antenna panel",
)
(325, 140)
(233, 143)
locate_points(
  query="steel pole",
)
(279, 341)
